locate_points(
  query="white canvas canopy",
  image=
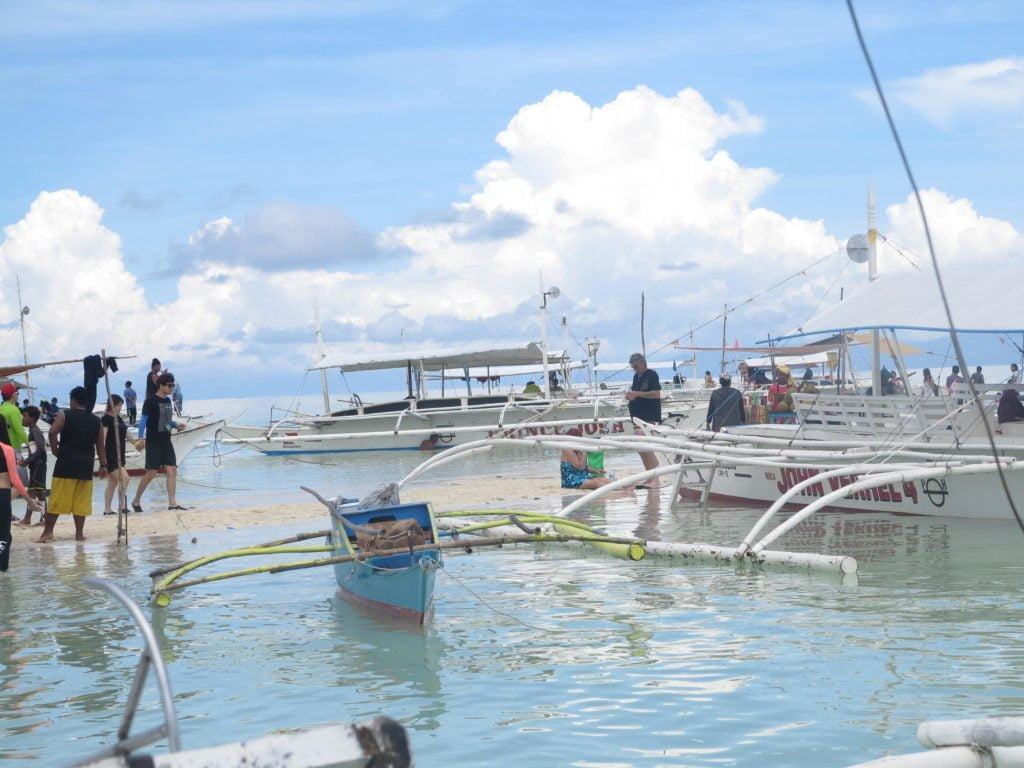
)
(554, 364)
(818, 358)
(982, 301)
(437, 359)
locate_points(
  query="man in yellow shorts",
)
(76, 442)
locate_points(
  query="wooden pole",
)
(122, 482)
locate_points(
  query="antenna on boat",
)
(321, 350)
(22, 311)
(554, 293)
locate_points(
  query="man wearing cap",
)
(12, 415)
(726, 406)
(644, 398)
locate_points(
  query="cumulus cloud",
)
(975, 91)
(71, 271)
(636, 194)
(280, 237)
(962, 236)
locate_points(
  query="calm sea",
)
(544, 658)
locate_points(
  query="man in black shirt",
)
(156, 426)
(726, 406)
(644, 398)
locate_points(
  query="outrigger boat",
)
(420, 419)
(398, 574)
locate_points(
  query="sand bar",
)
(496, 491)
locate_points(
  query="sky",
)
(195, 180)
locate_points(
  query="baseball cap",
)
(8, 389)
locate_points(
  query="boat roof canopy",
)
(437, 359)
(537, 369)
(981, 301)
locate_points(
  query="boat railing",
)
(151, 658)
(887, 416)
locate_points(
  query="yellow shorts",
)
(70, 497)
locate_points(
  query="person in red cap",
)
(12, 415)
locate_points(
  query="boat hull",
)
(968, 496)
(429, 429)
(407, 593)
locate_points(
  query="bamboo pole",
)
(159, 591)
(276, 543)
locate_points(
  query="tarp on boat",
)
(981, 301)
(435, 359)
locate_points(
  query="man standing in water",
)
(75, 441)
(155, 426)
(644, 398)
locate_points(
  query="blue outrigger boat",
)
(398, 582)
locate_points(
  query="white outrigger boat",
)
(423, 421)
(924, 455)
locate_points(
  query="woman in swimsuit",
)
(574, 470)
(8, 478)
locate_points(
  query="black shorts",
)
(160, 455)
(37, 478)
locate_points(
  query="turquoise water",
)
(552, 658)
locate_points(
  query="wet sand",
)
(493, 492)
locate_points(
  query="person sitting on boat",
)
(531, 388)
(1010, 407)
(553, 381)
(977, 377)
(725, 408)
(807, 385)
(779, 390)
(709, 380)
(574, 470)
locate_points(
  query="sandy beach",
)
(458, 494)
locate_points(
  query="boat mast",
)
(876, 346)
(553, 292)
(321, 350)
(22, 311)
(693, 354)
(566, 362)
(725, 319)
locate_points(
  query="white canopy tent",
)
(981, 302)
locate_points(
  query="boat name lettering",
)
(588, 428)
(791, 476)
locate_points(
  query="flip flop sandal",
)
(177, 507)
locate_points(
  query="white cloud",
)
(637, 195)
(962, 236)
(72, 274)
(976, 91)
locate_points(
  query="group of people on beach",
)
(76, 438)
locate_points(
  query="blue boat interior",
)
(419, 512)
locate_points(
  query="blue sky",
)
(182, 179)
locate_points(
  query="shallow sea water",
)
(549, 658)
